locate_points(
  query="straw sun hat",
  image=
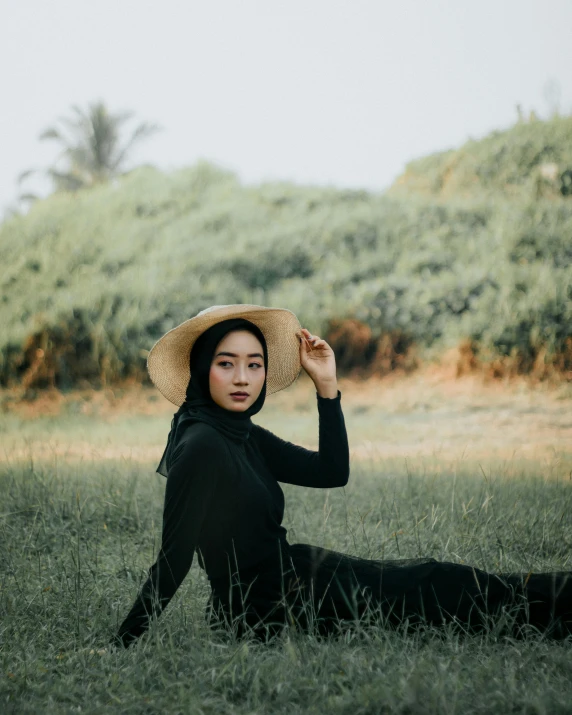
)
(168, 359)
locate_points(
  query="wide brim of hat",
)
(168, 360)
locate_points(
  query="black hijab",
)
(199, 406)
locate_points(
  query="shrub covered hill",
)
(471, 247)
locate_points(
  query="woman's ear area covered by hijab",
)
(237, 372)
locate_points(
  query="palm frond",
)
(92, 146)
(81, 113)
(29, 197)
(23, 175)
(50, 133)
(143, 131)
(66, 181)
(122, 117)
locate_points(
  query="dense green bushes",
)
(91, 280)
(529, 160)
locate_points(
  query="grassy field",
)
(462, 471)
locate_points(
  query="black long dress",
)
(224, 501)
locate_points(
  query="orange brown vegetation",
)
(358, 351)
(352, 342)
(66, 357)
(467, 359)
(395, 352)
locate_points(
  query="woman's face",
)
(237, 371)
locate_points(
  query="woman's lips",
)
(239, 396)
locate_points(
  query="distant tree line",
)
(391, 280)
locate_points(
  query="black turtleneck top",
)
(224, 501)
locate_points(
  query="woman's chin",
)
(236, 406)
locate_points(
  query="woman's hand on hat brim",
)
(319, 362)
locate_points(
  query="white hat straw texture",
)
(168, 362)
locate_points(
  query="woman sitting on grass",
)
(224, 501)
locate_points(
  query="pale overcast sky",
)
(340, 92)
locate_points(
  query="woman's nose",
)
(240, 376)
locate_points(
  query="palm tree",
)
(93, 150)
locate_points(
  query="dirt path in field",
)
(424, 415)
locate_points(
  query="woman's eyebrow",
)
(234, 355)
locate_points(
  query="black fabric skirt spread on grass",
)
(319, 590)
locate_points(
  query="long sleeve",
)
(328, 467)
(197, 467)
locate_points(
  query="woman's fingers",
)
(315, 340)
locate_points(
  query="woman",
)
(223, 500)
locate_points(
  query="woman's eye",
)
(224, 363)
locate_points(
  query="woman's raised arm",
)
(326, 468)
